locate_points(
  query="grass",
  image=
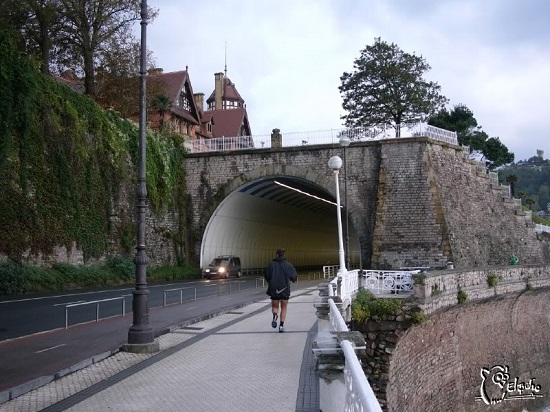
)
(17, 279)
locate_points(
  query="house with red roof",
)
(225, 115)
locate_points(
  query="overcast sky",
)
(286, 56)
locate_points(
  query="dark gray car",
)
(223, 267)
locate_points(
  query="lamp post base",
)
(151, 347)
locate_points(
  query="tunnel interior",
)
(263, 215)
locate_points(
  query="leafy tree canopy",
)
(461, 120)
(75, 34)
(387, 88)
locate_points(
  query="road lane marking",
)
(53, 347)
(194, 307)
(96, 291)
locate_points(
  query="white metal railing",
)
(330, 271)
(359, 394)
(539, 228)
(393, 282)
(493, 177)
(319, 137)
(96, 302)
(441, 134)
(337, 323)
(345, 285)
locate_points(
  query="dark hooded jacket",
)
(279, 274)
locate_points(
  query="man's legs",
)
(284, 304)
(275, 310)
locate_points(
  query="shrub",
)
(462, 296)
(170, 273)
(419, 318)
(365, 306)
(123, 268)
(492, 280)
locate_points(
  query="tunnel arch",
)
(275, 206)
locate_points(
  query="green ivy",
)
(63, 161)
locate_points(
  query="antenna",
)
(225, 59)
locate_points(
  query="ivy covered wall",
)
(67, 175)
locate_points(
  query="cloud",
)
(286, 57)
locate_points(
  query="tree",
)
(386, 88)
(161, 104)
(42, 29)
(90, 26)
(117, 75)
(462, 121)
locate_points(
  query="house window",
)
(209, 127)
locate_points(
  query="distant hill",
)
(533, 181)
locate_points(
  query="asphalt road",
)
(27, 359)
(26, 315)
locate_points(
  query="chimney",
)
(218, 90)
(199, 101)
(155, 70)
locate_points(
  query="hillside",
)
(533, 181)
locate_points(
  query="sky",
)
(286, 57)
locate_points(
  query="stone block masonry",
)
(435, 364)
(412, 201)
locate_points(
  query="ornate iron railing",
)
(392, 282)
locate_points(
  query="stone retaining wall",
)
(436, 364)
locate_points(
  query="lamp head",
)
(344, 141)
(335, 163)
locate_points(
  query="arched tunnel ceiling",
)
(265, 214)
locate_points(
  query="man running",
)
(279, 274)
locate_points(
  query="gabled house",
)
(174, 105)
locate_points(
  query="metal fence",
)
(542, 228)
(392, 282)
(319, 137)
(359, 394)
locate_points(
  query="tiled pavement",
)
(232, 362)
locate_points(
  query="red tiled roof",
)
(228, 122)
(229, 92)
(173, 83)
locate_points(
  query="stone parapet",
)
(440, 289)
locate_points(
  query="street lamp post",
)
(335, 163)
(345, 142)
(141, 338)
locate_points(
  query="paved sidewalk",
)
(232, 362)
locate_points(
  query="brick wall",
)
(436, 366)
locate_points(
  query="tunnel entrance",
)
(278, 211)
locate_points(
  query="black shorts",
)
(280, 297)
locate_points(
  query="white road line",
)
(53, 347)
(69, 303)
(90, 293)
(194, 307)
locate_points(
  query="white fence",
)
(542, 228)
(392, 282)
(359, 394)
(319, 137)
